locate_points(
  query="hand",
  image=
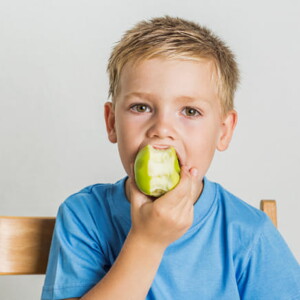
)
(167, 218)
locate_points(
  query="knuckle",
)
(183, 224)
(173, 220)
(158, 211)
(166, 215)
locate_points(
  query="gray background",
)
(53, 84)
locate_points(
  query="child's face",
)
(166, 102)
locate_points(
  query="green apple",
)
(156, 170)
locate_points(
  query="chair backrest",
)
(25, 244)
(269, 207)
(25, 241)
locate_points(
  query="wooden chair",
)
(25, 241)
(25, 244)
(270, 208)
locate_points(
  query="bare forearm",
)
(132, 274)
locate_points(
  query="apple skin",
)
(156, 171)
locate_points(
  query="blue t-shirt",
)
(231, 251)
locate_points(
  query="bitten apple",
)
(156, 170)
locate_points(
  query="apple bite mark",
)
(156, 169)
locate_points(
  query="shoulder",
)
(239, 213)
(93, 197)
(92, 206)
(88, 195)
(243, 224)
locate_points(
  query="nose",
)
(162, 126)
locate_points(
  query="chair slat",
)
(25, 244)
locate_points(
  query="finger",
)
(185, 181)
(193, 172)
(196, 184)
(134, 193)
(190, 177)
(187, 206)
(179, 193)
(137, 198)
(131, 171)
(190, 187)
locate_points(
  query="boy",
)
(172, 83)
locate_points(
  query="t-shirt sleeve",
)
(76, 262)
(272, 272)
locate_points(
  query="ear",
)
(109, 115)
(229, 122)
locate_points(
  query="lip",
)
(160, 146)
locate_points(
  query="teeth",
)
(161, 147)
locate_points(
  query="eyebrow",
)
(182, 98)
(190, 99)
(141, 95)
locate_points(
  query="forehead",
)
(172, 76)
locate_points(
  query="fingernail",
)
(194, 172)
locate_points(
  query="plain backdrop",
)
(53, 84)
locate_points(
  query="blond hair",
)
(179, 39)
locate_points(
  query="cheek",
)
(128, 132)
(129, 139)
(126, 153)
(201, 140)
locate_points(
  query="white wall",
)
(53, 85)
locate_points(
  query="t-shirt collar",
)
(202, 206)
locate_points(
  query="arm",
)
(155, 224)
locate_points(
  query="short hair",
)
(176, 38)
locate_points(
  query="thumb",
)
(196, 184)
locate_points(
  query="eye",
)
(140, 108)
(191, 112)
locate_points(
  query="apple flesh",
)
(156, 170)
